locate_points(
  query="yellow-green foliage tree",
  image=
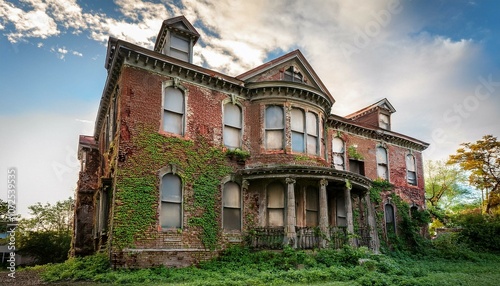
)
(481, 159)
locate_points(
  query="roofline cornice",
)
(377, 134)
(282, 89)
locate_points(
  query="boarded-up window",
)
(275, 127)
(179, 48)
(357, 167)
(232, 126)
(275, 204)
(298, 130)
(382, 166)
(341, 211)
(312, 206)
(390, 220)
(231, 206)
(171, 202)
(338, 153)
(411, 170)
(173, 111)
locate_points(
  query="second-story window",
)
(305, 133)
(298, 130)
(312, 133)
(338, 151)
(232, 126)
(274, 127)
(411, 170)
(173, 111)
(382, 163)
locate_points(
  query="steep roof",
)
(381, 104)
(295, 57)
(178, 24)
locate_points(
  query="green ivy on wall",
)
(201, 167)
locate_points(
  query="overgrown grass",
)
(348, 266)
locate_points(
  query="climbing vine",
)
(201, 167)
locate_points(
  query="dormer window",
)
(291, 74)
(384, 121)
(179, 48)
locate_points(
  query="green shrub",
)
(80, 268)
(480, 232)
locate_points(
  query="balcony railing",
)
(307, 237)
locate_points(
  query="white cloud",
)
(78, 54)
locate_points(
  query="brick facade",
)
(284, 192)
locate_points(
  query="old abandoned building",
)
(185, 161)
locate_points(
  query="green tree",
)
(481, 160)
(3, 216)
(444, 184)
(46, 235)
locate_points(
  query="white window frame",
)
(225, 125)
(414, 160)
(339, 154)
(240, 208)
(383, 164)
(283, 129)
(181, 203)
(174, 84)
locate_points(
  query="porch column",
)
(372, 224)
(323, 213)
(348, 209)
(290, 234)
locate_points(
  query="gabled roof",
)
(381, 104)
(295, 57)
(178, 24)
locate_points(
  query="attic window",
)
(291, 74)
(179, 48)
(384, 121)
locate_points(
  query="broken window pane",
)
(341, 213)
(338, 162)
(410, 163)
(337, 145)
(384, 121)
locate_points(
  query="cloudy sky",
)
(437, 61)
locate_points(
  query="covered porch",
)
(310, 207)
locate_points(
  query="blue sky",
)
(438, 63)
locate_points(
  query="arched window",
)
(275, 127)
(275, 204)
(312, 206)
(382, 163)
(390, 218)
(305, 132)
(231, 202)
(411, 170)
(173, 111)
(232, 125)
(171, 202)
(338, 153)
